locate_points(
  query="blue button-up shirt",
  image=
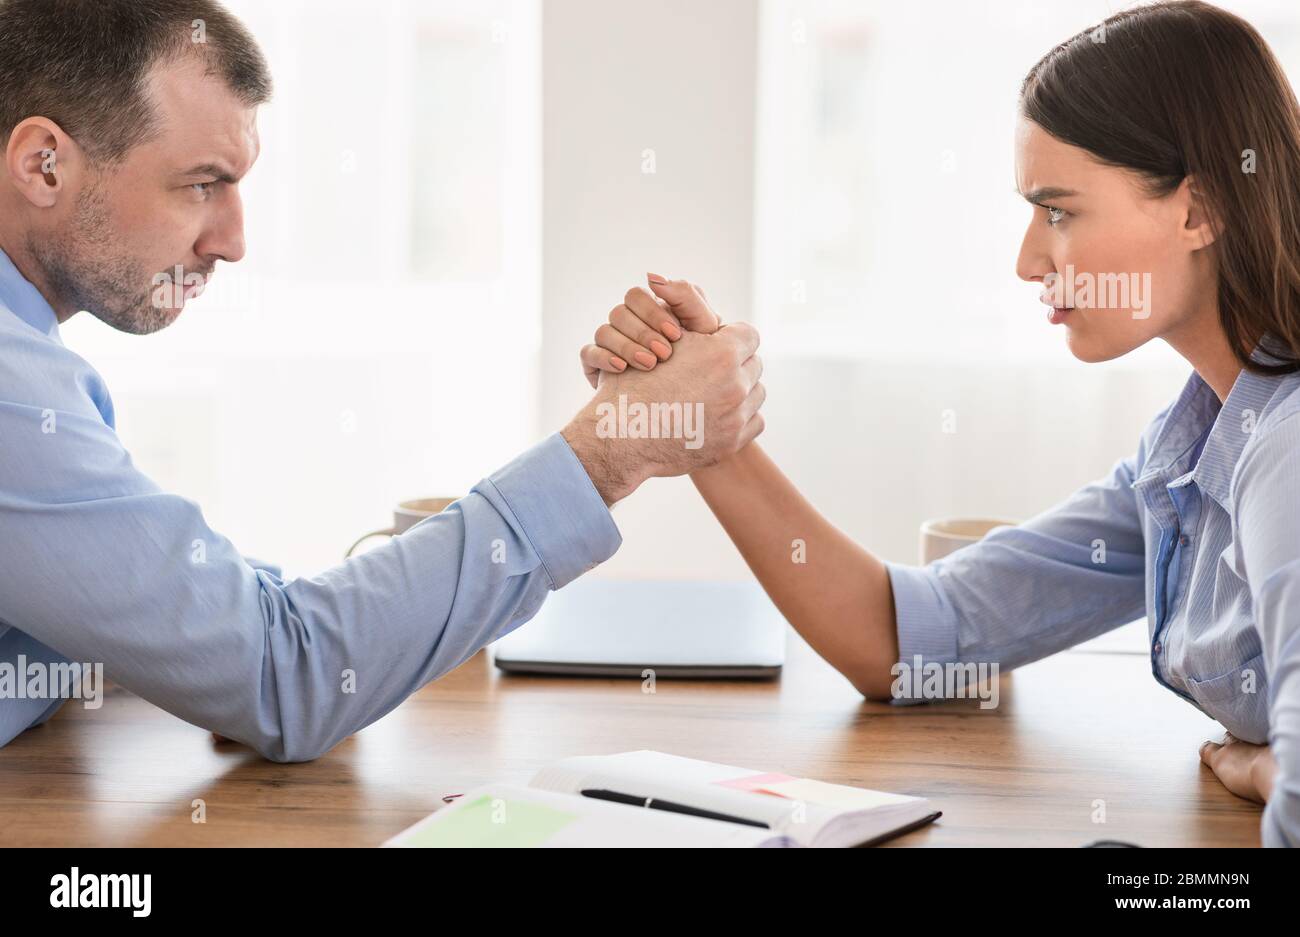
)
(1199, 530)
(100, 566)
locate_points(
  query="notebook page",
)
(506, 816)
(700, 784)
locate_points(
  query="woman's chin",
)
(1090, 349)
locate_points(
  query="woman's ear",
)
(1200, 226)
(39, 159)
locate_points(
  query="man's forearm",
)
(835, 593)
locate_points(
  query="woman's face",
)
(1118, 267)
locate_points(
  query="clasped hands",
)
(647, 421)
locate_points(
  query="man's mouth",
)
(194, 290)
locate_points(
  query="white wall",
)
(296, 407)
(677, 78)
(863, 434)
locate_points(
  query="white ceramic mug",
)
(405, 516)
(944, 536)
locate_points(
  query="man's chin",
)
(141, 320)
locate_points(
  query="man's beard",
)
(86, 269)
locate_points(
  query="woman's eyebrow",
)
(1047, 193)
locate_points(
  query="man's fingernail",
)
(618, 362)
(672, 331)
(660, 349)
(655, 278)
(647, 359)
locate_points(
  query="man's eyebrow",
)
(1047, 193)
(220, 173)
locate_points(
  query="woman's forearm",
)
(835, 593)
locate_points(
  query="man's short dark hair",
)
(84, 64)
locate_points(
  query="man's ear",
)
(1200, 226)
(42, 161)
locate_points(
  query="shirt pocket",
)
(1244, 714)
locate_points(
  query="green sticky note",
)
(493, 823)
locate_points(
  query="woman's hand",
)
(1245, 769)
(641, 330)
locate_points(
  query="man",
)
(126, 127)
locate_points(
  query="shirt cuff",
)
(927, 624)
(559, 510)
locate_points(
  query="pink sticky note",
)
(756, 782)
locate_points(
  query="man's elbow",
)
(292, 753)
(291, 747)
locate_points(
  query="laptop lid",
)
(676, 629)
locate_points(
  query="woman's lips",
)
(1055, 314)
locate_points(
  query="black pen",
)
(654, 803)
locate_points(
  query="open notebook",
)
(652, 799)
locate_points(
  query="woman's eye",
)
(1054, 215)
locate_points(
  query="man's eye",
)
(1054, 215)
(203, 188)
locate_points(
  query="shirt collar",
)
(1230, 425)
(25, 301)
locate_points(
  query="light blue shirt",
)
(98, 565)
(1200, 530)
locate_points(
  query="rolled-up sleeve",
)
(1023, 592)
(927, 623)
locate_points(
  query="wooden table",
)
(1071, 731)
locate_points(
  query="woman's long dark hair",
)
(1181, 89)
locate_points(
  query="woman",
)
(1165, 144)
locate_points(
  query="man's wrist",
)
(614, 474)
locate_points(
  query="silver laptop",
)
(677, 629)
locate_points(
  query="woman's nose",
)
(1033, 263)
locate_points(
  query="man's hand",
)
(1245, 769)
(644, 423)
(641, 330)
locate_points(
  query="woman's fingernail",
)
(672, 331)
(660, 349)
(618, 362)
(646, 359)
(655, 278)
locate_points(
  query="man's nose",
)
(224, 237)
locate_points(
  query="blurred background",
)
(452, 195)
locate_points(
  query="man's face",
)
(141, 237)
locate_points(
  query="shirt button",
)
(1182, 541)
(1157, 647)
